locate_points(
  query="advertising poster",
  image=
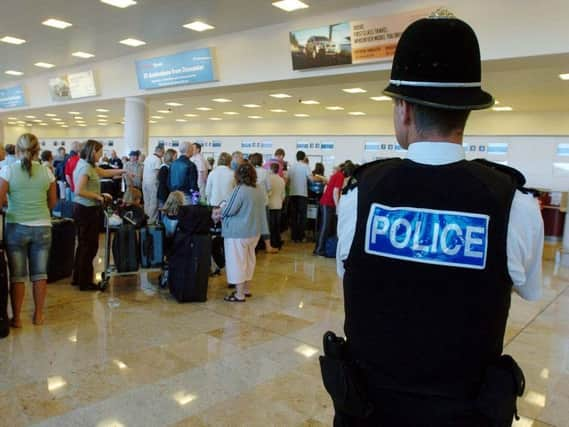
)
(190, 67)
(12, 97)
(355, 42)
(72, 86)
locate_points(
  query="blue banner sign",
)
(12, 97)
(194, 66)
(455, 239)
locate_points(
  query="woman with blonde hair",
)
(31, 192)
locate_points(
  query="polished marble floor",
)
(132, 356)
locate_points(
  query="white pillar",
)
(2, 142)
(135, 124)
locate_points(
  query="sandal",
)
(232, 297)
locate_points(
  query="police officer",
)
(436, 247)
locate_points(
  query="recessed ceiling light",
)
(357, 113)
(37, 120)
(102, 124)
(29, 125)
(12, 118)
(191, 115)
(64, 126)
(251, 106)
(290, 5)
(564, 76)
(104, 116)
(102, 120)
(44, 65)
(83, 55)
(50, 115)
(59, 123)
(204, 108)
(56, 119)
(56, 23)
(119, 3)
(132, 42)
(43, 124)
(380, 98)
(301, 115)
(504, 108)
(12, 40)
(30, 117)
(12, 123)
(216, 119)
(255, 117)
(156, 117)
(335, 108)
(181, 120)
(310, 102)
(102, 110)
(231, 113)
(280, 95)
(278, 110)
(152, 122)
(355, 90)
(163, 111)
(222, 100)
(174, 104)
(82, 125)
(199, 26)
(75, 113)
(14, 73)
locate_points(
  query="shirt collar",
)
(435, 153)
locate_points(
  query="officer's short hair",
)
(444, 121)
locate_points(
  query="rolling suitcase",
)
(125, 249)
(151, 246)
(62, 251)
(4, 320)
(188, 267)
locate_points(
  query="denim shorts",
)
(27, 245)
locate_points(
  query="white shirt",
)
(220, 183)
(8, 160)
(201, 165)
(525, 226)
(263, 182)
(150, 172)
(298, 175)
(278, 192)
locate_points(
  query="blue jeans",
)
(27, 245)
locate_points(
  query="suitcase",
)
(330, 247)
(63, 209)
(125, 249)
(188, 267)
(218, 251)
(151, 246)
(62, 251)
(4, 320)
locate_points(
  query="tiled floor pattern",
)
(134, 357)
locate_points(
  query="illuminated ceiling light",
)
(44, 65)
(29, 125)
(56, 119)
(103, 116)
(564, 76)
(174, 104)
(75, 113)
(301, 115)
(132, 42)
(221, 100)
(335, 108)
(43, 124)
(119, 3)
(278, 110)
(199, 26)
(12, 40)
(12, 123)
(64, 126)
(354, 90)
(255, 117)
(280, 95)
(181, 120)
(12, 118)
(83, 55)
(152, 122)
(310, 102)
(56, 23)
(101, 124)
(14, 73)
(30, 117)
(357, 113)
(102, 110)
(380, 98)
(191, 115)
(82, 125)
(156, 117)
(504, 108)
(37, 120)
(215, 119)
(50, 115)
(231, 113)
(251, 106)
(306, 350)
(59, 123)
(290, 5)
(204, 108)
(163, 111)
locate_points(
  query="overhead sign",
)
(12, 97)
(73, 86)
(194, 66)
(355, 42)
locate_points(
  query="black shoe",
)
(90, 287)
(231, 286)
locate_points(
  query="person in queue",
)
(87, 211)
(278, 159)
(237, 158)
(202, 167)
(328, 202)
(163, 174)
(135, 168)
(220, 181)
(184, 174)
(432, 247)
(31, 192)
(152, 166)
(69, 166)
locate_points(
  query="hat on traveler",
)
(437, 64)
(134, 153)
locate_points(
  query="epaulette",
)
(515, 174)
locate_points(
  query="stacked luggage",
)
(62, 251)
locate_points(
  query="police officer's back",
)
(435, 249)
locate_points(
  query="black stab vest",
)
(423, 327)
